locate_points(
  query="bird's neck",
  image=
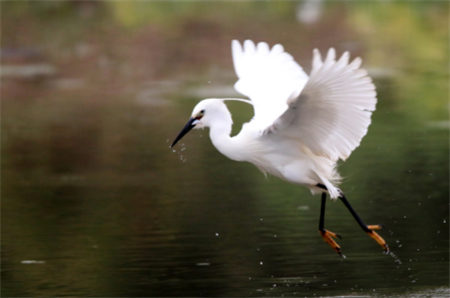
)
(220, 136)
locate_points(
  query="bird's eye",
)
(200, 115)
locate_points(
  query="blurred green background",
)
(94, 203)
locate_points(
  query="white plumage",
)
(302, 125)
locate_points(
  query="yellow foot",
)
(326, 235)
(377, 237)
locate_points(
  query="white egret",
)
(302, 125)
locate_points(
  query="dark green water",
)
(94, 203)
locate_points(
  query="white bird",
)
(302, 125)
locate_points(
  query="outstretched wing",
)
(268, 77)
(332, 113)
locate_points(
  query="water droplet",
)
(260, 263)
(217, 234)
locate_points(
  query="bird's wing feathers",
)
(332, 112)
(269, 77)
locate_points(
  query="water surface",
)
(95, 203)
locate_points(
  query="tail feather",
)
(332, 190)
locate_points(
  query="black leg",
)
(322, 208)
(366, 228)
(322, 212)
(353, 212)
(326, 235)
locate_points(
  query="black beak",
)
(185, 130)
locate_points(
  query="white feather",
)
(332, 113)
(267, 77)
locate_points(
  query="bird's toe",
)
(327, 236)
(374, 235)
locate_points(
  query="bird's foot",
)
(326, 235)
(377, 237)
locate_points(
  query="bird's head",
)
(204, 113)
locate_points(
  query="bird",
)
(302, 125)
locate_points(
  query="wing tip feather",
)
(331, 55)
